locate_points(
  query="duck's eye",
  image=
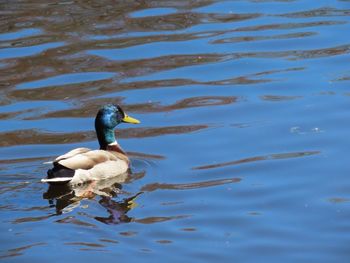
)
(121, 111)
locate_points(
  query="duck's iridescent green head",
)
(107, 118)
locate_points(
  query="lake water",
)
(242, 153)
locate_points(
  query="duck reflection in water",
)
(66, 197)
(117, 210)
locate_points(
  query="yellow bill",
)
(129, 119)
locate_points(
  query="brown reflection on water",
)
(94, 88)
(260, 38)
(343, 78)
(152, 132)
(287, 26)
(31, 70)
(164, 22)
(277, 156)
(145, 155)
(69, 58)
(18, 251)
(30, 219)
(184, 20)
(10, 115)
(159, 219)
(85, 244)
(83, 16)
(201, 101)
(136, 68)
(319, 12)
(60, 23)
(302, 54)
(278, 97)
(25, 137)
(72, 220)
(90, 107)
(187, 186)
(12, 187)
(32, 136)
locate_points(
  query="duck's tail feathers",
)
(59, 174)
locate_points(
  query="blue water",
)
(241, 154)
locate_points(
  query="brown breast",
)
(118, 152)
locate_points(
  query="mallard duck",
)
(82, 164)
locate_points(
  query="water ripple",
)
(277, 156)
(66, 79)
(18, 52)
(32, 136)
(187, 186)
(18, 251)
(194, 72)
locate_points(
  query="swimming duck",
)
(83, 165)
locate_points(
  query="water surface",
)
(242, 150)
